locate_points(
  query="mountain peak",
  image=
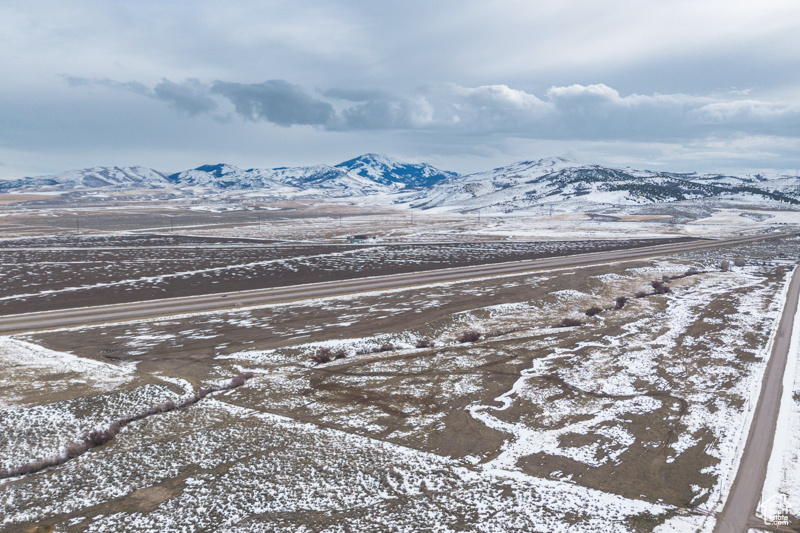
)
(371, 159)
(219, 169)
(558, 162)
(390, 171)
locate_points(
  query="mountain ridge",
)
(571, 185)
(360, 176)
(548, 183)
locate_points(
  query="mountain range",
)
(548, 183)
(567, 184)
(366, 175)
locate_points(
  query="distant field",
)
(14, 198)
(66, 271)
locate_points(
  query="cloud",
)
(190, 97)
(385, 112)
(276, 101)
(130, 86)
(490, 108)
(593, 112)
(769, 118)
(584, 95)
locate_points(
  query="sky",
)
(706, 85)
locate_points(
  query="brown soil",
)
(193, 359)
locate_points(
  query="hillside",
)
(90, 178)
(569, 185)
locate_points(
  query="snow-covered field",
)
(426, 226)
(631, 419)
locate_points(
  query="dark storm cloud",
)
(276, 101)
(190, 97)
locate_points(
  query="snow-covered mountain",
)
(316, 180)
(389, 171)
(558, 183)
(365, 175)
(368, 174)
(570, 185)
(116, 177)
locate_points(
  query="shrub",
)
(725, 265)
(739, 261)
(340, 354)
(469, 336)
(620, 302)
(386, 348)
(322, 355)
(642, 294)
(236, 381)
(569, 321)
(691, 272)
(593, 310)
(659, 287)
(424, 343)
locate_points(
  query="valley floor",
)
(486, 405)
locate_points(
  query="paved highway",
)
(211, 302)
(739, 512)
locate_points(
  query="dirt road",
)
(739, 512)
(172, 306)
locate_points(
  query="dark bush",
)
(569, 321)
(322, 355)
(469, 336)
(620, 302)
(739, 261)
(691, 272)
(593, 310)
(386, 348)
(657, 284)
(425, 343)
(642, 294)
(663, 289)
(340, 354)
